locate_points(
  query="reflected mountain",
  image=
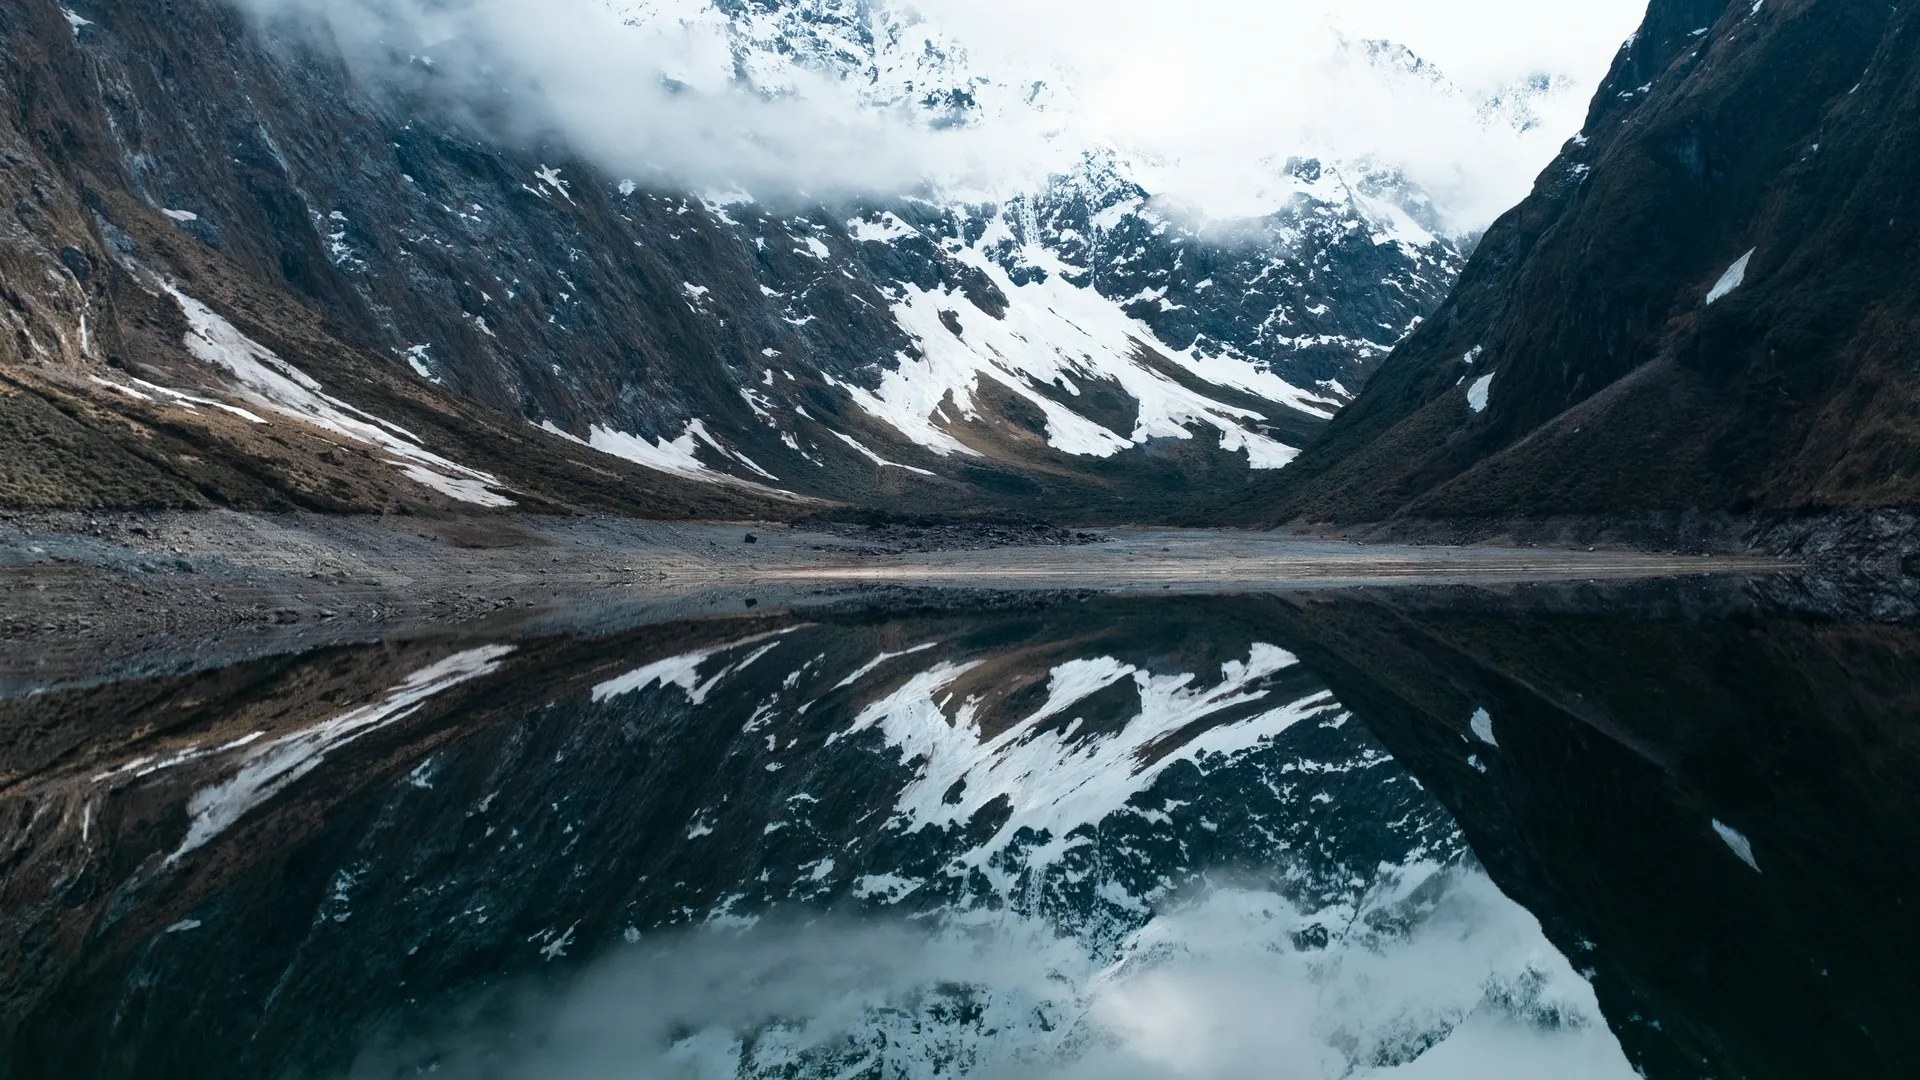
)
(1718, 817)
(1154, 838)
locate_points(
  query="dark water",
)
(1406, 836)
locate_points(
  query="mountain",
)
(1708, 304)
(250, 267)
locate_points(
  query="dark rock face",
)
(725, 343)
(1707, 302)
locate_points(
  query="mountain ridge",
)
(1696, 311)
(746, 357)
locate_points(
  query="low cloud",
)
(1210, 98)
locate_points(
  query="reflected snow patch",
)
(1057, 779)
(1482, 724)
(1737, 843)
(276, 765)
(683, 671)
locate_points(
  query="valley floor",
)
(80, 593)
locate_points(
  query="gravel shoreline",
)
(81, 592)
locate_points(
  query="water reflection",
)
(1177, 838)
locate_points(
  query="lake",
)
(1563, 830)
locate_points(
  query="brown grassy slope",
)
(74, 307)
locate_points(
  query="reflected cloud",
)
(1433, 974)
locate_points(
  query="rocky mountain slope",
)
(214, 212)
(1708, 303)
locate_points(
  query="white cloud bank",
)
(1208, 96)
(1219, 90)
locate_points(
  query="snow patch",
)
(1478, 392)
(1482, 725)
(862, 450)
(271, 383)
(677, 457)
(184, 400)
(887, 229)
(417, 360)
(1060, 335)
(1735, 277)
(549, 178)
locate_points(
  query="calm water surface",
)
(1307, 837)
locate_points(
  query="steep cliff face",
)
(527, 317)
(159, 356)
(1709, 301)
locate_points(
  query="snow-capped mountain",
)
(1066, 340)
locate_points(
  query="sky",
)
(1206, 97)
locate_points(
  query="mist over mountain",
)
(779, 251)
